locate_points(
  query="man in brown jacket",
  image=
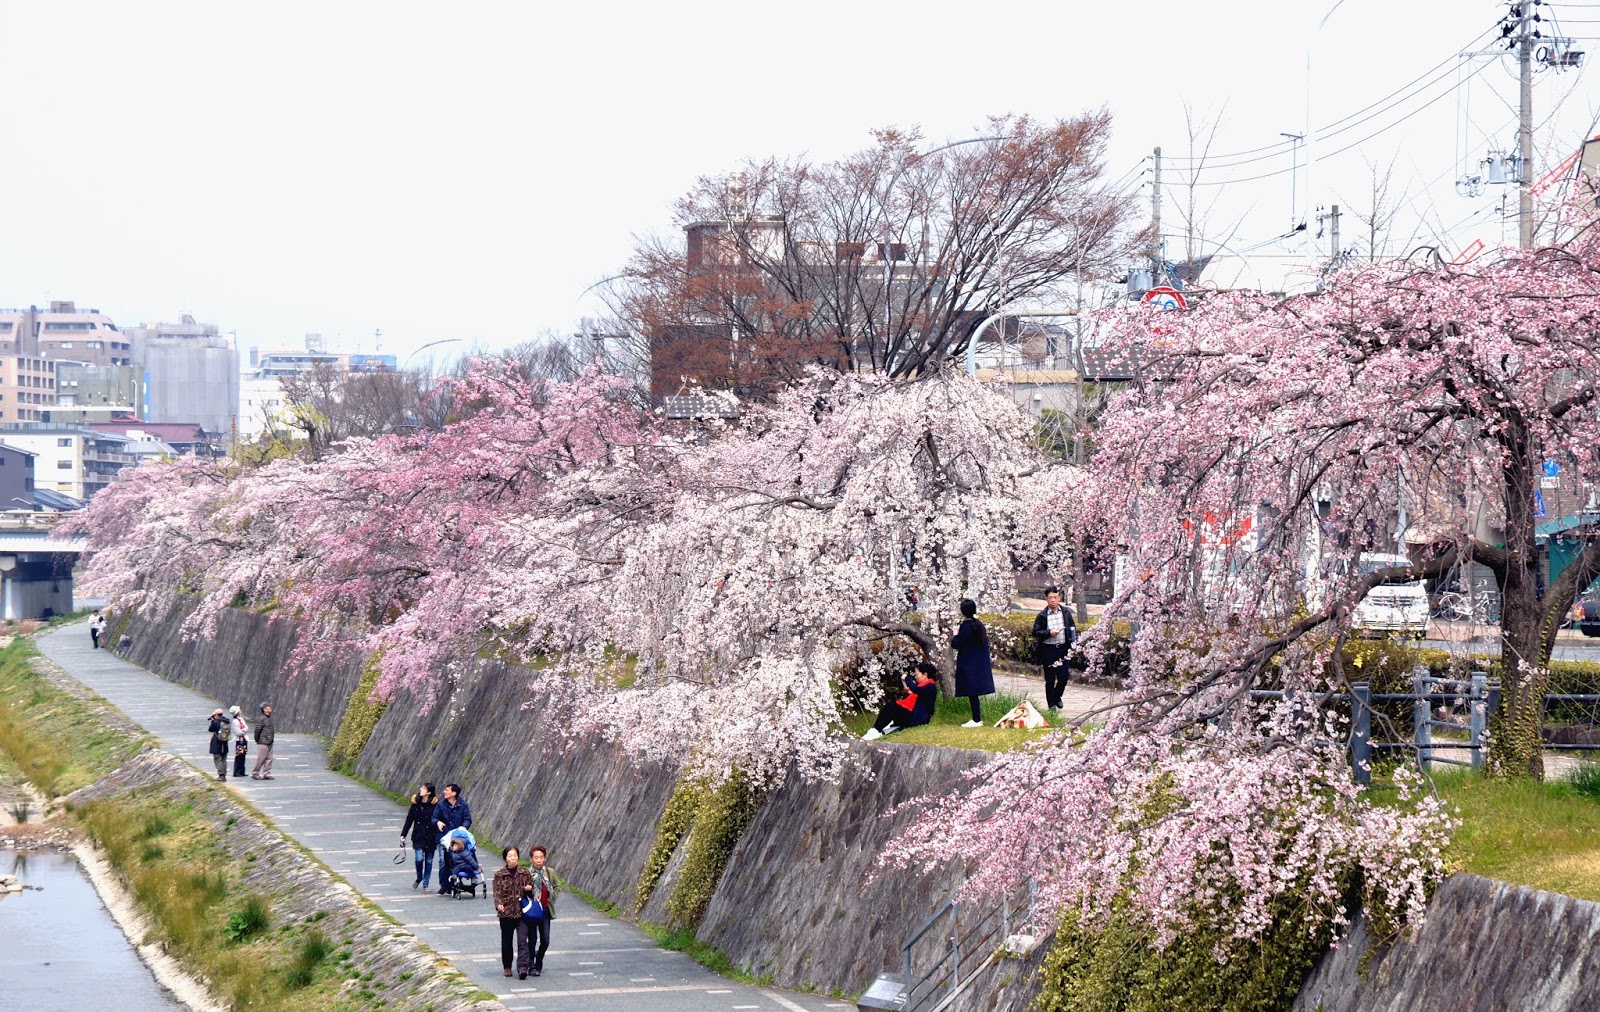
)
(511, 884)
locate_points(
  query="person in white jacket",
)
(241, 740)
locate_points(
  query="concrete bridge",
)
(35, 568)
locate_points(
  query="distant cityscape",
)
(82, 398)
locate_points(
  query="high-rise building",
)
(191, 374)
(63, 333)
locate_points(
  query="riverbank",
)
(208, 884)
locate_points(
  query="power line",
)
(1277, 148)
(1347, 147)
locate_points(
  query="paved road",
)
(594, 962)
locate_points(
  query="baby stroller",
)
(466, 874)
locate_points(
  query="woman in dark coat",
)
(424, 834)
(974, 673)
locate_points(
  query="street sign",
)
(1163, 297)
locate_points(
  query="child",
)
(464, 867)
(911, 710)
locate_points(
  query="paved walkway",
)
(594, 962)
(1077, 700)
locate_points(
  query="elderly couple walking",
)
(524, 900)
(230, 733)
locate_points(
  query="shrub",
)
(360, 719)
(724, 813)
(1118, 970)
(248, 921)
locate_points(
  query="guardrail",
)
(961, 948)
(1478, 695)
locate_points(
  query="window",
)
(64, 441)
(69, 326)
(66, 344)
(63, 465)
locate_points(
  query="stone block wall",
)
(245, 663)
(1485, 945)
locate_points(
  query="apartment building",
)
(64, 333)
(75, 461)
(27, 388)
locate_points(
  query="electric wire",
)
(1339, 151)
(1276, 149)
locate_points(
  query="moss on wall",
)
(723, 814)
(1117, 969)
(360, 718)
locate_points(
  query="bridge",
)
(35, 568)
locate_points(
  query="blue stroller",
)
(466, 874)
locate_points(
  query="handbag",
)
(532, 909)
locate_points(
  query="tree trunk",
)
(1516, 731)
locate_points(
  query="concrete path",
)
(594, 962)
(1077, 700)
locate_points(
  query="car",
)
(1589, 620)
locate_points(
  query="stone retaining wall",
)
(244, 663)
(1486, 945)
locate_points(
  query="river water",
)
(60, 951)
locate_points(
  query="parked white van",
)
(1394, 607)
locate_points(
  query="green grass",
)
(58, 741)
(945, 729)
(683, 940)
(1544, 835)
(167, 850)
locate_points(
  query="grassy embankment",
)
(171, 856)
(1544, 835)
(945, 728)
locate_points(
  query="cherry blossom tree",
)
(1212, 830)
(1266, 443)
(698, 588)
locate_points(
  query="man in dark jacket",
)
(1054, 632)
(265, 734)
(221, 734)
(450, 813)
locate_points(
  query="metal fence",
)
(1455, 706)
(954, 943)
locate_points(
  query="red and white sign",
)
(1163, 297)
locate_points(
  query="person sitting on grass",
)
(913, 709)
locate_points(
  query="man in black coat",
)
(1054, 632)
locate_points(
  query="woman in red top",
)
(912, 709)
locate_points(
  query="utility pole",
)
(1525, 124)
(1334, 249)
(1155, 223)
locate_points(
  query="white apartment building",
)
(77, 462)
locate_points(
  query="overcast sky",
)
(467, 170)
